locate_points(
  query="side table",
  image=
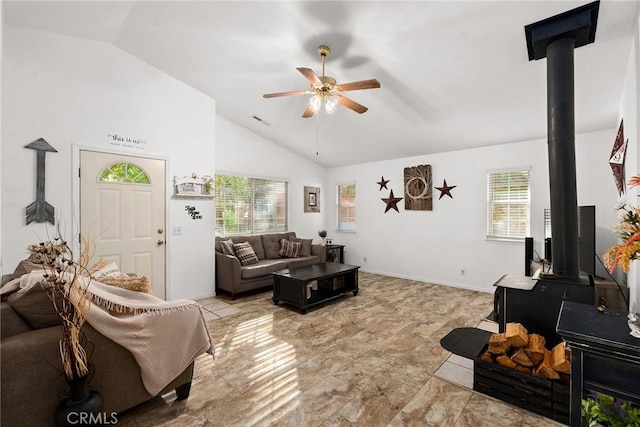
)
(335, 253)
(604, 357)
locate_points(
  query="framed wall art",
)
(311, 199)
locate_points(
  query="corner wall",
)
(74, 91)
(435, 246)
(629, 112)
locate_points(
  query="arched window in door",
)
(124, 172)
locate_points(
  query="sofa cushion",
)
(289, 249)
(271, 243)
(35, 307)
(23, 267)
(262, 268)
(245, 253)
(305, 246)
(303, 262)
(227, 247)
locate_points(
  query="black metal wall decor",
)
(392, 202)
(192, 212)
(383, 183)
(40, 210)
(617, 159)
(445, 189)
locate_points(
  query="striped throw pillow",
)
(289, 249)
(245, 253)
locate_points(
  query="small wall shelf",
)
(193, 186)
(193, 196)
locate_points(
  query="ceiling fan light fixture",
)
(315, 103)
(330, 104)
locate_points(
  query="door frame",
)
(75, 200)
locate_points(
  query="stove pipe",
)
(556, 38)
(562, 159)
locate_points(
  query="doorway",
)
(122, 213)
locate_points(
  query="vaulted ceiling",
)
(453, 74)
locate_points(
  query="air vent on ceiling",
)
(261, 121)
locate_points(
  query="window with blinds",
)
(508, 201)
(250, 205)
(346, 207)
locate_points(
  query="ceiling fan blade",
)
(351, 104)
(310, 75)
(308, 112)
(362, 84)
(292, 93)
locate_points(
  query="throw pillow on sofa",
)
(305, 246)
(245, 253)
(35, 306)
(289, 249)
(227, 247)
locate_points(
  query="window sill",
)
(505, 239)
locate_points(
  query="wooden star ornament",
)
(445, 189)
(392, 202)
(382, 183)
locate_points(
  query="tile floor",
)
(370, 360)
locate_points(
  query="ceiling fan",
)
(326, 91)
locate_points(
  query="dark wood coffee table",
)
(305, 287)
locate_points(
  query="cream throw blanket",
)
(163, 336)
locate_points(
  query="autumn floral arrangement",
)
(66, 281)
(628, 229)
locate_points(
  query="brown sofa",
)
(234, 278)
(32, 380)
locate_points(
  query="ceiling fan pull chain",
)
(317, 131)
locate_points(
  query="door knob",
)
(160, 242)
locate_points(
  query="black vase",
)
(82, 407)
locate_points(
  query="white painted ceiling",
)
(453, 74)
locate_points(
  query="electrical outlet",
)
(463, 272)
(177, 231)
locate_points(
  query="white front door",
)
(122, 213)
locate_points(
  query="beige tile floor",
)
(370, 360)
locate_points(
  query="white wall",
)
(435, 246)
(241, 152)
(629, 111)
(75, 91)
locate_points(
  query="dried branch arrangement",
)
(66, 281)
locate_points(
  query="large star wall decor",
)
(392, 202)
(617, 159)
(445, 189)
(382, 183)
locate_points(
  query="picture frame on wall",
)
(311, 199)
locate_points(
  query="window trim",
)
(337, 207)
(489, 224)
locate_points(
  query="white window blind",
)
(508, 200)
(250, 205)
(346, 207)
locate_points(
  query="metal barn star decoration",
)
(445, 189)
(392, 202)
(617, 159)
(382, 183)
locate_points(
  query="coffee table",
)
(305, 287)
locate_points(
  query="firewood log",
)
(561, 358)
(506, 361)
(535, 349)
(545, 368)
(523, 369)
(487, 357)
(516, 335)
(521, 358)
(498, 344)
